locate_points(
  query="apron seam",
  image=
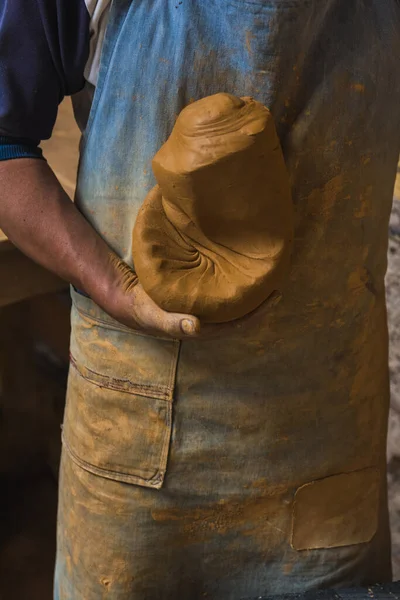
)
(119, 476)
(159, 392)
(119, 327)
(103, 71)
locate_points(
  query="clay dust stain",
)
(264, 519)
(106, 582)
(249, 38)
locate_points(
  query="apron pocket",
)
(340, 510)
(118, 416)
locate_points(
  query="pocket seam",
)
(140, 389)
(119, 327)
(155, 482)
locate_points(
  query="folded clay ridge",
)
(214, 237)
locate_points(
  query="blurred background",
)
(34, 337)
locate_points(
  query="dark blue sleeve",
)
(44, 46)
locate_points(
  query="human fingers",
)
(150, 317)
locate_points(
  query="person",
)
(223, 461)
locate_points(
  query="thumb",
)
(180, 325)
(150, 316)
(189, 326)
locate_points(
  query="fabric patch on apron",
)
(340, 510)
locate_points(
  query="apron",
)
(253, 463)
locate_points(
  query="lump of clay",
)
(214, 237)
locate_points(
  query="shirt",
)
(48, 49)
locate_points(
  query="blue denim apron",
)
(252, 463)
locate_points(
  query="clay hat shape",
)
(214, 237)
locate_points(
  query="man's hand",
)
(129, 304)
(40, 219)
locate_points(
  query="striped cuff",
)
(19, 148)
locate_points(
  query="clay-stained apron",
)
(254, 463)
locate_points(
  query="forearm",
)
(39, 218)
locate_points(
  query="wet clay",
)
(214, 237)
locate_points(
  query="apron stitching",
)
(118, 327)
(116, 475)
(160, 392)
